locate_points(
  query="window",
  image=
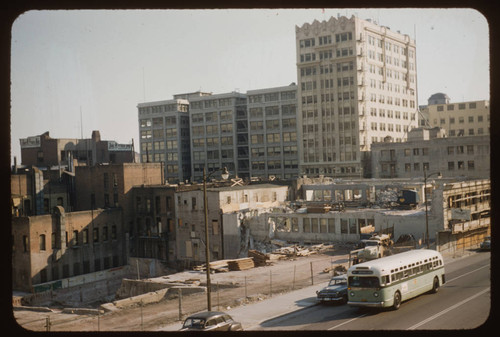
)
(306, 225)
(451, 166)
(85, 236)
(343, 226)
(95, 234)
(42, 242)
(75, 238)
(215, 227)
(113, 232)
(53, 241)
(105, 233)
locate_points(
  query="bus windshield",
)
(364, 281)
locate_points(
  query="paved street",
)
(462, 303)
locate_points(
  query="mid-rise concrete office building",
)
(219, 134)
(429, 150)
(272, 116)
(164, 137)
(356, 85)
(459, 119)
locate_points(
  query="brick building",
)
(152, 234)
(61, 245)
(36, 192)
(44, 151)
(106, 186)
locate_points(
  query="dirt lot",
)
(229, 289)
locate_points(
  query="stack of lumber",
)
(241, 264)
(260, 259)
(216, 266)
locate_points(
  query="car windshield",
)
(371, 243)
(364, 282)
(197, 323)
(338, 281)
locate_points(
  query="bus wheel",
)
(435, 285)
(397, 300)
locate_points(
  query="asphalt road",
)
(462, 303)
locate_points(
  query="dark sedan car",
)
(486, 244)
(211, 321)
(335, 291)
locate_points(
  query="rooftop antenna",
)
(143, 85)
(81, 124)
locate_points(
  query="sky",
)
(76, 71)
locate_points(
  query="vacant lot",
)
(229, 289)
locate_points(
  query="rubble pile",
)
(278, 250)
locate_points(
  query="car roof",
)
(207, 314)
(340, 277)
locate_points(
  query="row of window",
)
(320, 225)
(214, 103)
(274, 165)
(259, 152)
(272, 97)
(274, 138)
(163, 108)
(461, 106)
(461, 119)
(390, 60)
(76, 238)
(330, 170)
(329, 156)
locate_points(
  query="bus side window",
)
(386, 279)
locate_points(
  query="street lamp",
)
(425, 202)
(224, 175)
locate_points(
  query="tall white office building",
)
(356, 86)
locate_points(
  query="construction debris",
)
(256, 258)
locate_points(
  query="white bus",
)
(388, 281)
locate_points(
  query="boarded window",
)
(189, 250)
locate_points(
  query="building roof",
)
(244, 187)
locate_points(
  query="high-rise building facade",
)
(356, 86)
(219, 134)
(272, 116)
(164, 137)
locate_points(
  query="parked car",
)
(486, 244)
(335, 291)
(211, 321)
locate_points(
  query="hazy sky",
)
(100, 64)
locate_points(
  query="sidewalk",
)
(251, 315)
